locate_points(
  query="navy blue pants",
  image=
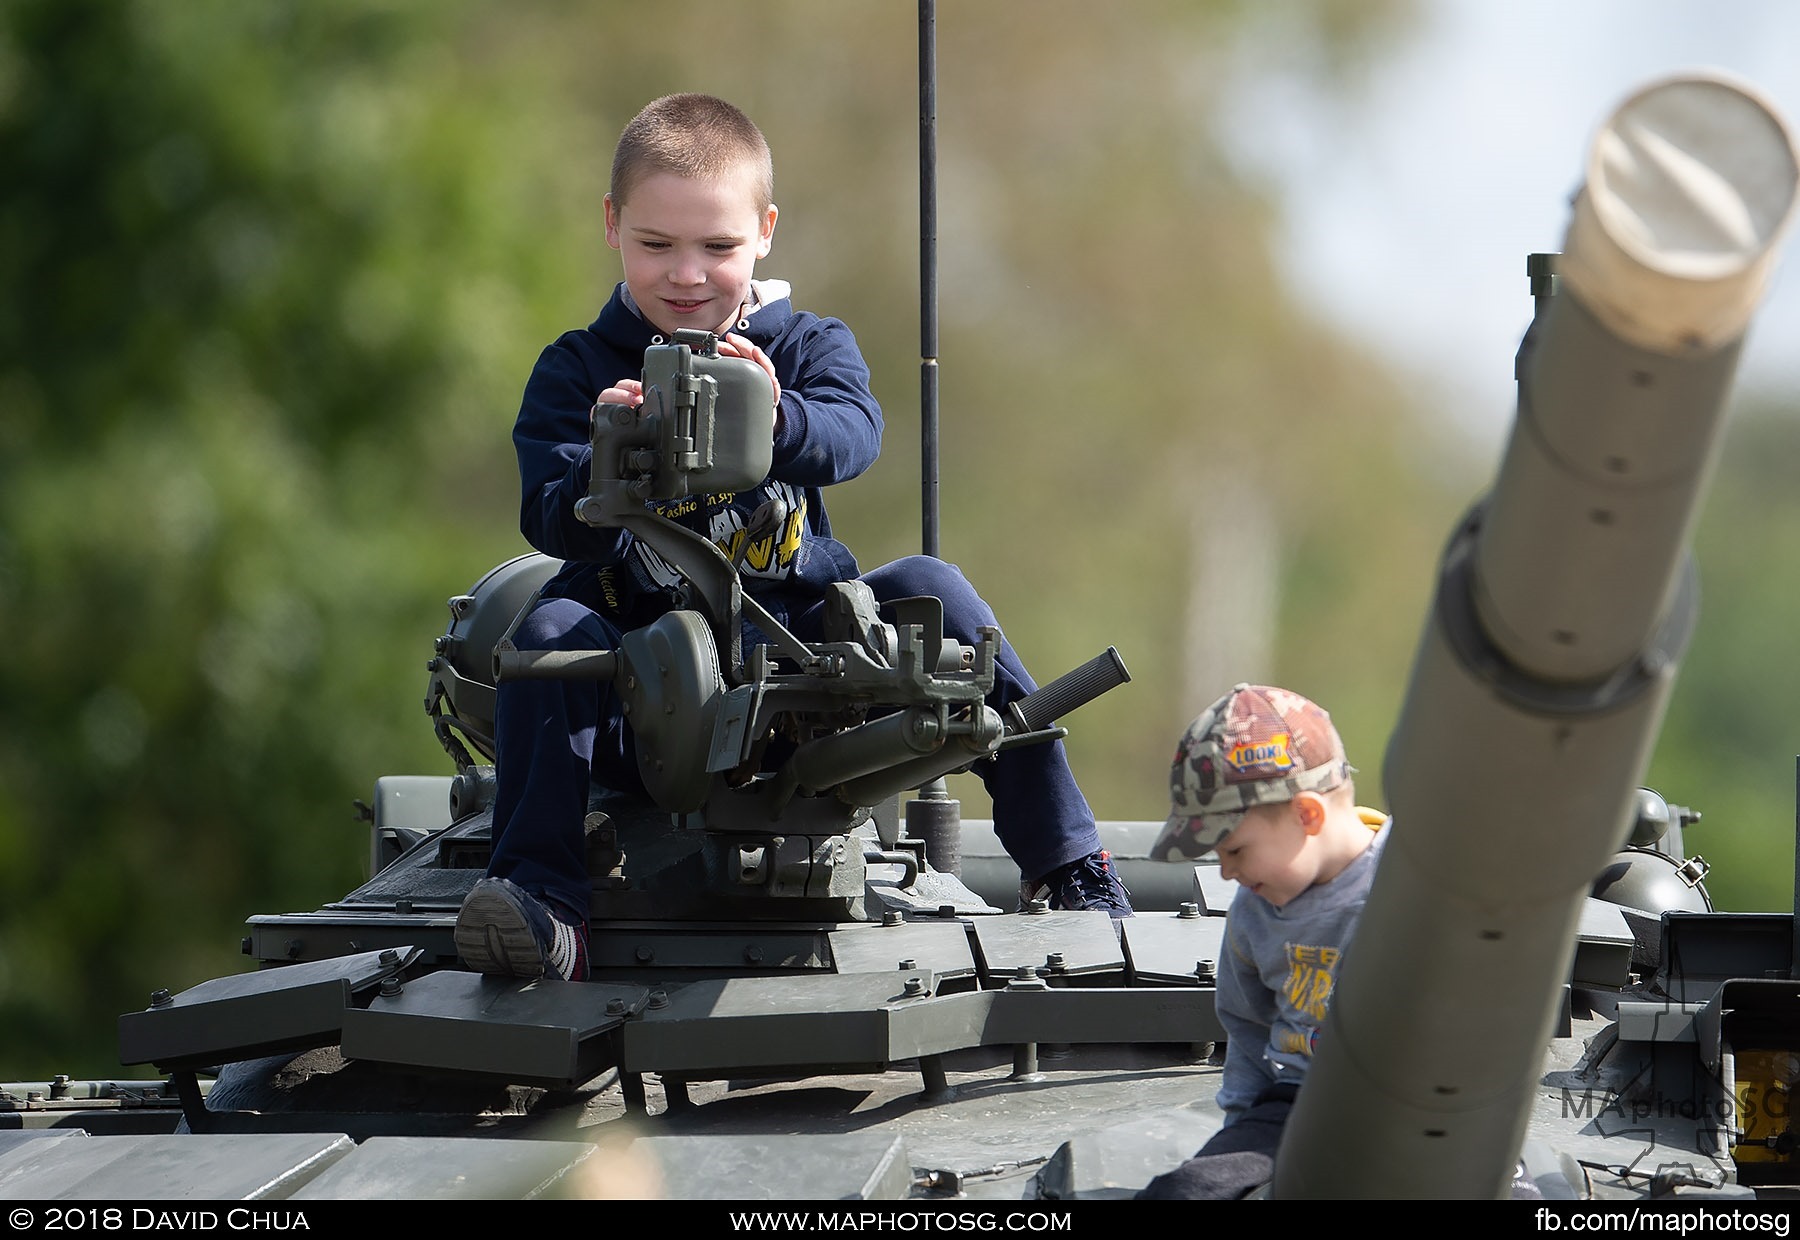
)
(554, 737)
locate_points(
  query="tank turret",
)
(1563, 604)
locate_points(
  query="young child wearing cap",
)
(1261, 776)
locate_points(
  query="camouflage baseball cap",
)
(1257, 745)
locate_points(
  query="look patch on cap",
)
(1257, 745)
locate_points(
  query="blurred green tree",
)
(1729, 748)
(274, 266)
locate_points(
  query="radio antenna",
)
(928, 328)
(933, 816)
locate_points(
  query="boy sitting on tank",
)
(690, 211)
(1261, 776)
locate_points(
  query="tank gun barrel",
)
(1563, 603)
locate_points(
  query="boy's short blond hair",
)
(694, 136)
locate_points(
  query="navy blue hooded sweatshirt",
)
(830, 431)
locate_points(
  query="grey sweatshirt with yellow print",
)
(1277, 976)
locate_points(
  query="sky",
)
(1410, 207)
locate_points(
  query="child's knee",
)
(563, 624)
(927, 575)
